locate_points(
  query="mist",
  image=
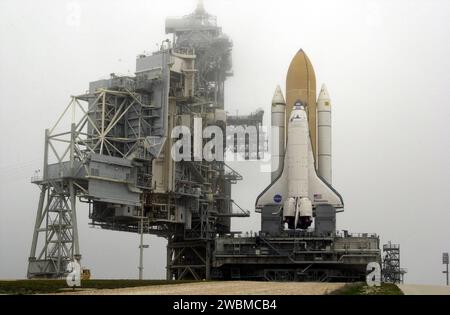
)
(385, 64)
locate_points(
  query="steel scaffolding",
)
(392, 272)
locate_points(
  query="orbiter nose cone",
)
(324, 93)
(301, 73)
(278, 98)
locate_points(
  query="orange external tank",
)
(301, 85)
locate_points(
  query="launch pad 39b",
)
(118, 159)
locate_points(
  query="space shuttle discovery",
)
(302, 181)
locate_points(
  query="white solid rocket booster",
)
(278, 133)
(324, 135)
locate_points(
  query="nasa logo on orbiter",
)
(277, 198)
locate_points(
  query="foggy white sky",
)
(386, 65)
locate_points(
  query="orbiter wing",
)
(276, 192)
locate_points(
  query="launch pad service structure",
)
(117, 159)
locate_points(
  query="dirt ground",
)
(222, 288)
(414, 289)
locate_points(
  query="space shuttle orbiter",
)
(297, 188)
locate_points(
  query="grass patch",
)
(361, 288)
(19, 287)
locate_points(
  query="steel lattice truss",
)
(392, 272)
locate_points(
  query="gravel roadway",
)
(416, 289)
(222, 288)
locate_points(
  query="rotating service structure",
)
(117, 156)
